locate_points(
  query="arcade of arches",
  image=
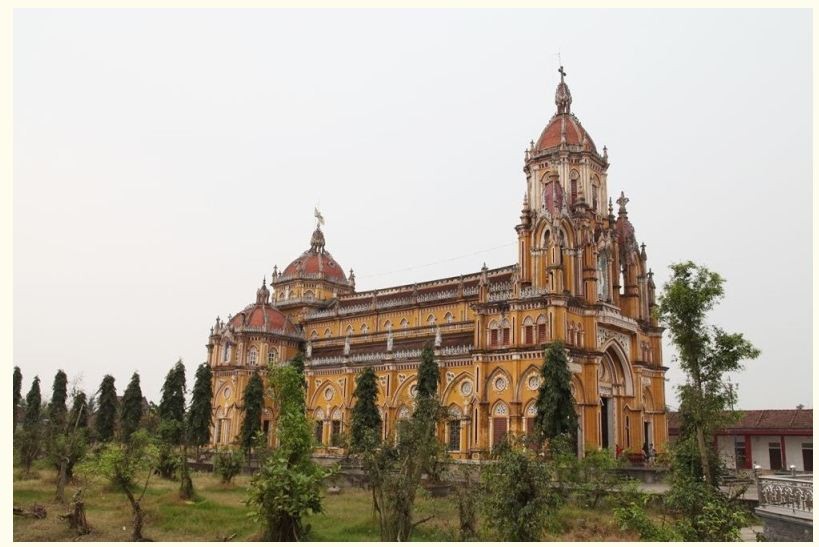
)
(581, 278)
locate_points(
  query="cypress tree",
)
(105, 420)
(253, 401)
(33, 404)
(427, 374)
(199, 415)
(78, 417)
(297, 363)
(131, 415)
(18, 397)
(366, 422)
(57, 410)
(555, 403)
(172, 405)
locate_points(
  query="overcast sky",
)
(165, 160)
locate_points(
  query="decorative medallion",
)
(500, 383)
(401, 378)
(328, 393)
(534, 382)
(450, 376)
(466, 388)
(227, 392)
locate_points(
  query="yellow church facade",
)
(580, 278)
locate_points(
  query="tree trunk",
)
(706, 468)
(186, 485)
(138, 516)
(61, 480)
(76, 515)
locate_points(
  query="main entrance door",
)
(605, 416)
(775, 454)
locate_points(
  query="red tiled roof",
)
(254, 316)
(550, 138)
(314, 262)
(761, 420)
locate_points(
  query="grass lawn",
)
(219, 511)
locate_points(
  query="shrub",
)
(227, 464)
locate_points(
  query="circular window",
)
(500, 383)
(328, 393)
(413, 389)
(466, 387)
(227, 393)
(534, 381)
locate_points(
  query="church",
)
(581, 277)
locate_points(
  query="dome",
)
(316, 263)
(575, 134)
(266, 318)
(564, 127)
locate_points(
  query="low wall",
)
(781, 524)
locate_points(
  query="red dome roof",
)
(316, 263)
(575, 134)
(266, 317)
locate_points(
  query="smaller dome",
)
(264, 317)
(263, 293)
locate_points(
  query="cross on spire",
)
(562, 72)
(622, 201)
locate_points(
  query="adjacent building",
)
(771, 439)
(581, 277)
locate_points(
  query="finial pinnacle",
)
(622, 201)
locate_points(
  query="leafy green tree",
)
(105, 420)
(172, 405)
(365, 424)
(427, 374)
(297, 362)
(706, 354)
(128, 467)
(517, 496)
(131, 415)
(252, 403)
(394, 471)
(201, 410)
(556, 416)
(57, 410)
(28, 440)
(287, 487)
(18, 397)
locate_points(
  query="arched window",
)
(349, 330)
(272, 356)
(528, 331)
(431, 320)
(327, 333)
(574, 184)
(404, 324)
(494, 334)
(541, 329)
(595, 194)
(448, 317)
(226, 352)
(506, 332)
(308, 295)
(570, 337)
(364, 328)
(387, 325)
(313, 335)
(252, 356)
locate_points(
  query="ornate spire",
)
(317, 241)
(622, 201)
(563, 97)
(643, 255)
(263, 293)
